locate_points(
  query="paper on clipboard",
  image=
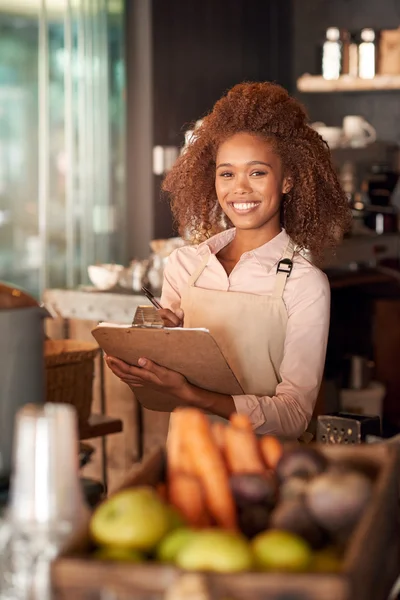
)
(192, 352)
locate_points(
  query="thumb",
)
(179, 313)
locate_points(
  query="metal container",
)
(22, 369)
(357, 372)
(343, 428)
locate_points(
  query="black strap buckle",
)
(285, 266)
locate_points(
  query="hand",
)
(171, 319)
(148, 374)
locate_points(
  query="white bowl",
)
(104, 277)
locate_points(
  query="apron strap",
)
(194, 277)
(283, 270)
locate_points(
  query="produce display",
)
(233, 502)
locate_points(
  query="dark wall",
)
(200, 49)
(197, 49)
(311, 19)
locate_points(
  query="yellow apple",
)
(216, 550)
(133, 518)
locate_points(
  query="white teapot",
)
(358, 133)
(331, 135)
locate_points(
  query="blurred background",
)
(62, 139)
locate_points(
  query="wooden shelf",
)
(317, 84)
(99, 426)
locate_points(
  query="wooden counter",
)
(76, 313)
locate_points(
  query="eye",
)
(258, 173)
(226, 174)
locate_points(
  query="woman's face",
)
(249, 182)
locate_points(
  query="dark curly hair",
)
(315, 212)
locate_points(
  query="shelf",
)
(99, 426)
(316, 83)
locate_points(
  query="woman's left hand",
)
(148, 374)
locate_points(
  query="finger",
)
(132, 384)
(133, 380)
(180, 314)
(169, 317)
(112, 367)
(116, 370)
(167, 323)
(149, 373)
(119, 364)
(148, 366)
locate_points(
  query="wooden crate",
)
(370, 565)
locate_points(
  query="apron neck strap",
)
(282, 273)
(283, 270)
(194, 277)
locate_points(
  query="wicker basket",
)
(69, 374)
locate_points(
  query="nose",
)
(242, 185)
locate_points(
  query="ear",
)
(287, 185)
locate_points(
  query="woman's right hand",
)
(171, 319)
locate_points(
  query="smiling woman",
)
(255, 187)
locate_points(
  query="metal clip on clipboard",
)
(147, 316)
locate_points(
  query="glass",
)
(62, 140)
(46, 505)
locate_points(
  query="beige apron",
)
(250, 329)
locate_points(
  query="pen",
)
(151, 297)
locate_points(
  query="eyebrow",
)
(251, 162)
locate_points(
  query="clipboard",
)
(192, 352)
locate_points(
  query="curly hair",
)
(315, 213)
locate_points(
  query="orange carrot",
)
(185, 494)
(210, 468)
(218, 433)
(271, 450)
(241, 421)
(241, 451)
(178, 460)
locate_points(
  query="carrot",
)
(241, 451)
(178, 460)
(210, 468)
(218, 433)
(186, 495)
(271, 450)
(241, 421)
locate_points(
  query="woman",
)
(254, 188)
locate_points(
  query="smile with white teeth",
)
(244, 205)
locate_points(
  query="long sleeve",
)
(289, 411)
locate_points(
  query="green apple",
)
(133, 518)
(114, 553)
(215, 550)
(169, 546)
(276, 550)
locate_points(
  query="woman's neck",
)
(246, 240)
